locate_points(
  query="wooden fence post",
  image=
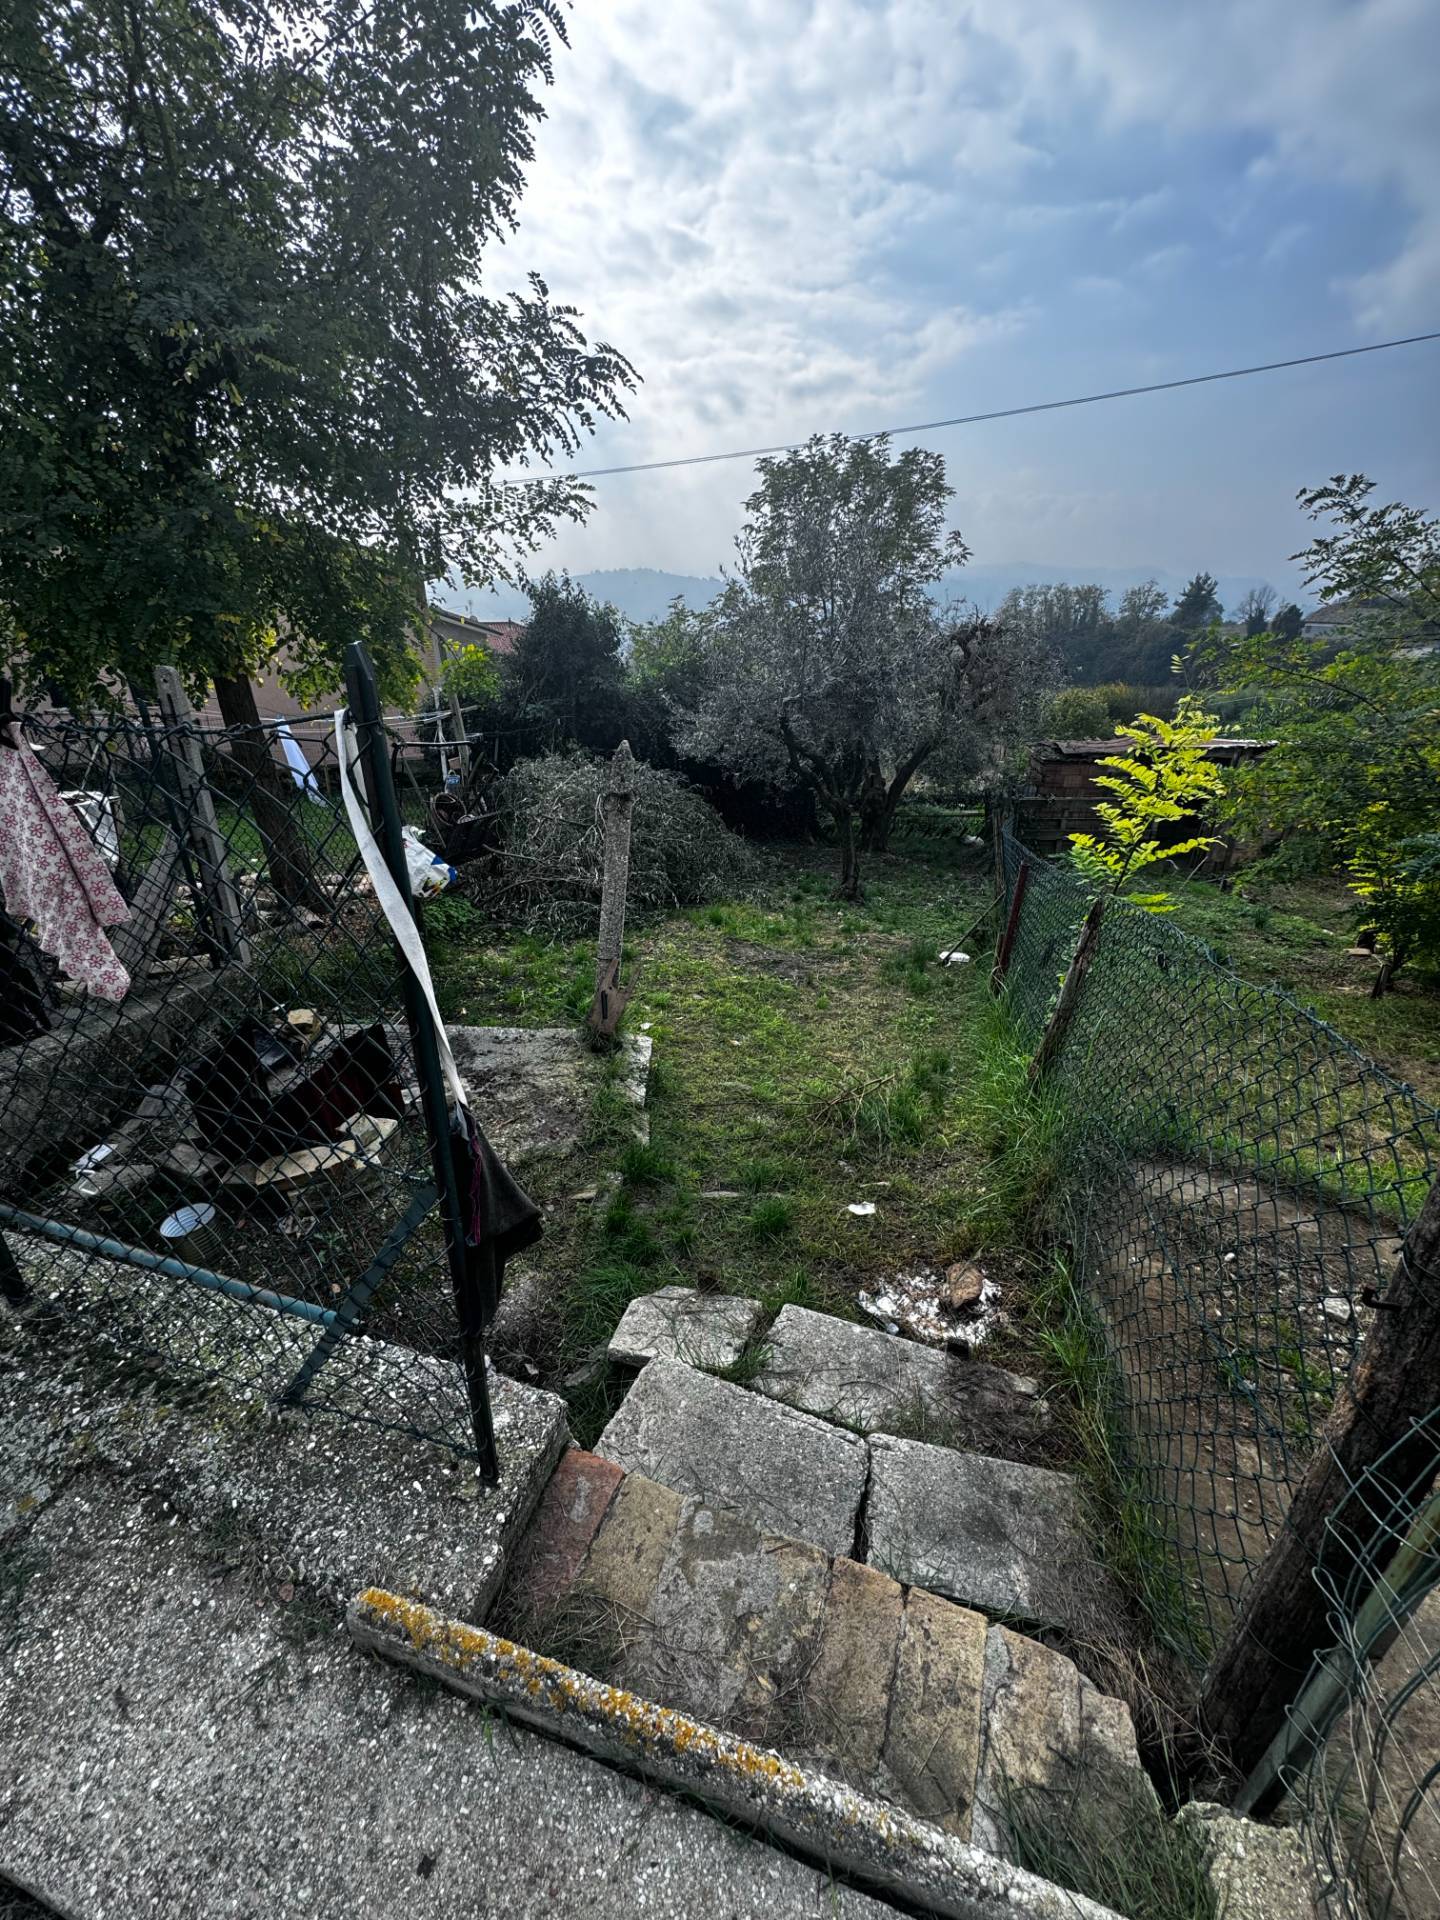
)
(1057, 1026)
(1285, 1621)
(1012, 927)
(619, 805)
(197, 809)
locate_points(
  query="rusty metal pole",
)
(1012, 927)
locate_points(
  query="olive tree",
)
(826, 660)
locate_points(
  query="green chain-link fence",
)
(1239, 1183)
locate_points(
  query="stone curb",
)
(874, 1846)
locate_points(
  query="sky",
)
(806, 215)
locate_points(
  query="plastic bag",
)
(428, 872)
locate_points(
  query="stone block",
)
(1054, 1744)
(875, 1381)
(630, 1545)
(1258, 1873)
(989, 1533)
(548, 1556)
(680, 1323)
(932, 1741)
(792, 1473)
(848, 1688)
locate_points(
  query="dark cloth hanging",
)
(501, 1219)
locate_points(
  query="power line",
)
(1011, 413)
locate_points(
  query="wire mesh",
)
(229, 1169)
(1239, 1182)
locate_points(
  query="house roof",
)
(1098, 749)
(499, 636)
(1341, 613)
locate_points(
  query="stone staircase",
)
(773, 1561)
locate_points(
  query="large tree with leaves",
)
(1356, 716)
(252, 381)
(826, 660)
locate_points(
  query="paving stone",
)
(932, 1741)
(854, 1671)
(547, 1558)
(792, 1473)
(1258, 1873)
(989, 1533)
(1056, 1743)
(872, 1380)
(733, 1623)
(629, 1548)
(681, 1323)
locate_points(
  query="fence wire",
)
(1240, 1179)
(228, 1169)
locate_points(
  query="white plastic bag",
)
(428, 872)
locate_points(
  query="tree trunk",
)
(849, 857)
(1389, 967)
(286, 854)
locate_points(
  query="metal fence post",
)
(619, 805)
(1380, 1413)
(363, 698)
(1012, 927)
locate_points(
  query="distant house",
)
(1338, 616)
(1063, 794)
(464, 630)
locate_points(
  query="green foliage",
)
(1198, 605)
(771, 1217)
(1168, 778)
(564, 684)
(1078, 713)
(1356, 716)
(668, 656)
(470, 673)
(254, 384)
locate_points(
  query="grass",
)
(1293, 933)
(1141, 1865)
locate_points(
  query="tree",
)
(1166, 778)
(1255, 608)
(1357, 725)
(252, 383)
(1198, 605)
(1286, 624)
(1072, 623)
(564, 684)
(1079, 713)
(827, 662)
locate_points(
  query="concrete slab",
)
(873, 1381)
(681, 1323)
(532, 1087)
(1257, 1873)
(991, 1534)
(792, 1473)
(335, 1500)
(180, 1740)
(877, 1845)
(1055, 1743)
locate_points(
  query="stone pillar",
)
(618, 805)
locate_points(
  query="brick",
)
(932, 1743)
(548, 1557)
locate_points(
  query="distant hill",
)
(644, 593)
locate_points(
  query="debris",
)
(964, 1284)
(923, 1305)
(1336, 1307)
(953, 957)
(862, 1209)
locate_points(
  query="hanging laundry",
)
(51, 874)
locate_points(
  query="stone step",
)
(680, 1323)
(875, 1382)
(897, 1692)
(986, 1533)
(793, 1473)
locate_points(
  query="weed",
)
(794, 1289)
(748, 1365)
(643, 1165)
(770, 1217)
(766, 1176)
(631, 1237)
(1129, 1858)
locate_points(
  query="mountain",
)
(644, 593)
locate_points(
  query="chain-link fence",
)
(1239, 1183)
(226, 1164)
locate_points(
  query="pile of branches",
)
(547, 875)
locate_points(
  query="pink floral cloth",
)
(51, 873)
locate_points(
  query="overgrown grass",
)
(1139, 1864)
